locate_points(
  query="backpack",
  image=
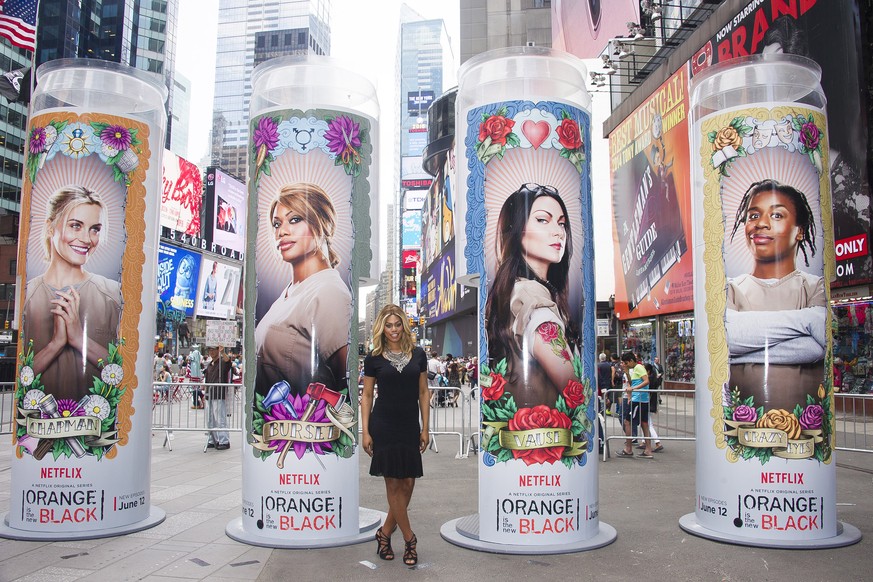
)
(618, 380)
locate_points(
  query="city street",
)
(642, 499)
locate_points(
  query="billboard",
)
(412, 175)
(411, 229)
(225, 219)
(584, 27)
(181, 195)
(417, 102)
(438, 228)
(414, 199)
(218, 289)
(442, 297)
(416, 140)
(652, 205)
(178, 269)
(828, 33)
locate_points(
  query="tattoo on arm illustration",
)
(552, 335)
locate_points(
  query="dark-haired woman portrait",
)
(527, 316)
(776, 314)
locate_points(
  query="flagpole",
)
(33, 59)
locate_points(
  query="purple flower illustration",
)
(37, 140)
(278, 412)
(744, 413)
(343, 136)
(68, 407)
(812, 417)
(810, 135)
(266, 134)
(117, 137)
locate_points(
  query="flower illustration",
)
(495, 135)
(497, 128)
(495, 391)
(812, 416)
(569, 135)
(117, 137)
(727, 143)
(810, 136)
(540, 416)
(38, 140)
(68, 407)
(574, 394)
(780, 419)
(265, 138)
(821, 392)
(744, 413)
(108, 151)
(26, 376)
(31, 399)
(96, 405)
(727, 137)
(570, 138)
(112, 374)
(549, 331)
(344, 140)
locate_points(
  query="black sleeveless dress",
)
(394, 422)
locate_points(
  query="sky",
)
(364, 36)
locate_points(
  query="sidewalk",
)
(642, 499)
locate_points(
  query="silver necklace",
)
(397, 359)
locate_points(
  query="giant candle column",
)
(763, 259)
(312, 209)
(525, 231)
(86, 308)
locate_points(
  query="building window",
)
(13, 267)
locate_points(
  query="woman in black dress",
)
(392, 435)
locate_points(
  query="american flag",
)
(18, 22)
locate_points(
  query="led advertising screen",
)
(411, 229)
(177, 278)
(225, 218)
(418, 102)
(412, 175)
(181, 195)
(218, 289)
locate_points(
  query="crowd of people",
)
(628, 389)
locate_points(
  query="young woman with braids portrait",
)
(527, 316)
(776, 314)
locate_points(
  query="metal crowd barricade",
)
(448, 416)
(185, 406)
(674, 420)
(853, 414)
(7, 407)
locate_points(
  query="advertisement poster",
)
(828, 33)
(652, 205)
(218, 289)
(584, 27)
(309, 199)
(529, 191)
(226, 219)
(78, 445)
(178, 270)
(411, 231)
(439, 229)
(181, 195)
(766, 469)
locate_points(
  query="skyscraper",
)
(426, 69)
(249, 33)
(492, 25)
(133, 32)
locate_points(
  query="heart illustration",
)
(536, 132)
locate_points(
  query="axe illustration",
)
(318, 391)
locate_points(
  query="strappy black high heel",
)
(383, 545)
(410, 554)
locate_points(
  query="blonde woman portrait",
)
(71, 314)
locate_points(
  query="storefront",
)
(852, 327)
(669, 337)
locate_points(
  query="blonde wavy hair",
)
(407, 340)
(314, 205)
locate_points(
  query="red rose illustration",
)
(497, 128)
(495, 391)
(574, 394)
(549, 331)
(569, 135)
(540, 416)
